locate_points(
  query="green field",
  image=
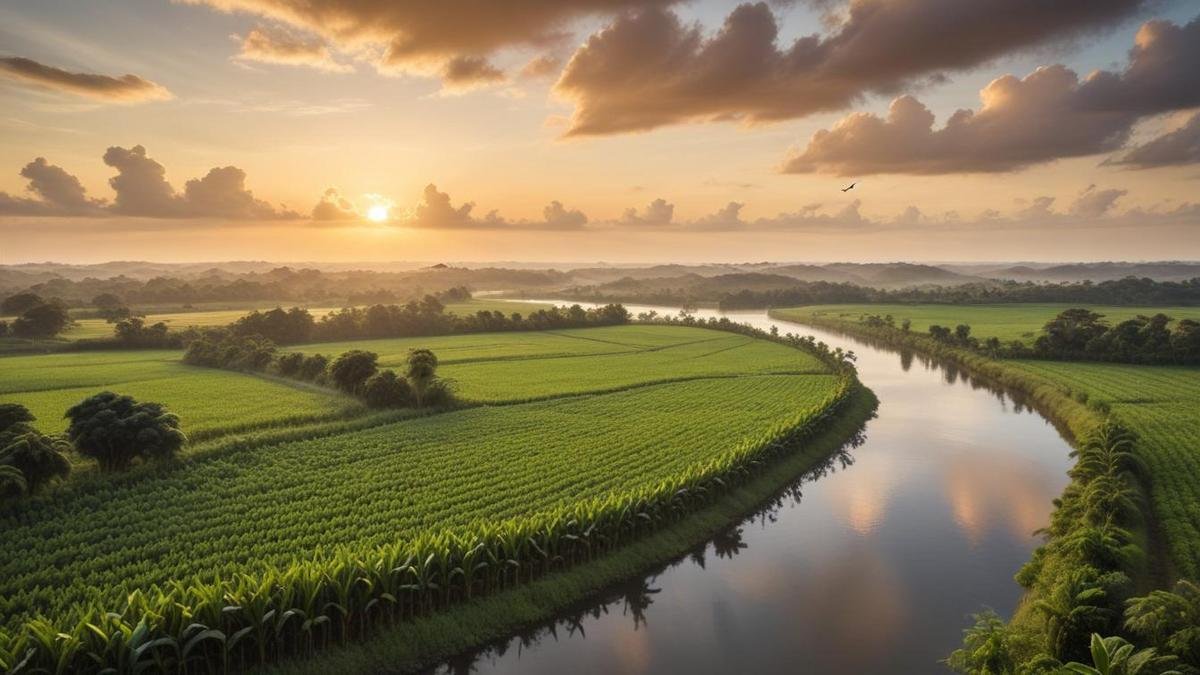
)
(209, 402)
(601, 434)
(1008, 322)
(1161, 404)
(99, 328)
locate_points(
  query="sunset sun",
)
(377, 213)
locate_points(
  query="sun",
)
(377, 213)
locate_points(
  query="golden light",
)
(377, 213)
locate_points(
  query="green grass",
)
(1008, 322)
(1161, 404)
(209, 402)
(615, 428)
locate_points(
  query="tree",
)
(135, 333)
(386, 389)
(314, 367)
(422, 370)
(985, 647)
(12, 482)
(1070, 332)
(20, 303)
(351, 370)
(13, 414)
(289, 364)
(1115, 656)
(1169, 620)
(41, 321)
(107, 301)
(38, 457)
(115, 430)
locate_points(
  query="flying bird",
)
(851, 187)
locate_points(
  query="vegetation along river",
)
(871, 564)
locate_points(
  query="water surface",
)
(870, 564)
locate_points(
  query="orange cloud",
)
(123, 89)
(277, 46)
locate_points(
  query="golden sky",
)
(586, 130)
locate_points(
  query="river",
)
(870, 565)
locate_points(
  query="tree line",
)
(1079, 334)
(1128, 291)
(355, 372)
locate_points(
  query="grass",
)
(209, 402)
(1008, 322)
(615, 428)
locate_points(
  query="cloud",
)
(422, 37)
(123, 89)
(546, 65)
(558, 217)
(141, 185)
(657, 213)
(436, 211)
(334, 207)
(58, 194)
(282, 47)
(1173, 148)
(1093, 203)
(649, 69)
(470, 71)
(222, 193)
(1073, 117)
(726, 218)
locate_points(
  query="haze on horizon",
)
(585, 130)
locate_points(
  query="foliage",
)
(1169, 620)
(40, 458)
(985, 649)
(19, 303)
(133, 332)
(277, 325)
(352, 369)
(385, 389)
(1116, 656)
(115, 430)
(40, 321)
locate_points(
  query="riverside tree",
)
(115, 430)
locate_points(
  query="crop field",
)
(1162, 404)
(1008, 322)
(99, 328)
(702, 393)
(208, 402)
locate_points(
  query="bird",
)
(851, 187)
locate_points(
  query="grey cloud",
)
(1173, 148)
(122, 89)
(283, 47)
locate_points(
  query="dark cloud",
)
(649, 69)
(123, 89)
(141, 185)
(58, 194)
(334, 207)
(1173, 148)
(416, 35)
(283, 47)
(1050, 114)
(469, 71)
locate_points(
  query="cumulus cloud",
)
(546, 65)
(122, 89)
(650, 69)
(289, 48)
(57, 192)
(334, 207)
(1173, 148)
(412, 36)
(436, 211)
(1050, 114)
(141, 189)
(727, 217)
(657, 213)
(1093, 203)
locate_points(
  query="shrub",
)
(38, 457)
(289, 365)
(314, 367)
(115, 430)
(386, 389)
(351, 370)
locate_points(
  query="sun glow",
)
(377, 213)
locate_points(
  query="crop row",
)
(593, 484)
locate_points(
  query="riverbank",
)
(1053, 572)
(474, 624)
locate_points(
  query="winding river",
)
(870, 564)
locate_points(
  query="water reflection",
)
(863, 566)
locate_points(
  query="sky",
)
(599, 130)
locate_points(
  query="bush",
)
(115, 430)
(289, 365)
(386, 389)
(314, 367)
(350, 370)
(38, 457)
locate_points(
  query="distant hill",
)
(1101, 271)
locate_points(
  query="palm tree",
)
(1107, 451)
(1115, 656)
(39, 458)
(422, 369)
(1073, 610)
(12, 482)
(1170, 620)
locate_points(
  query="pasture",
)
(622, 409)
(1021, 322)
